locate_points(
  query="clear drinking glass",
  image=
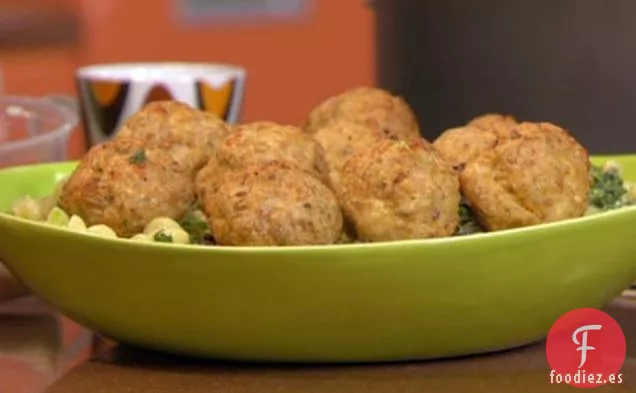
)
(34, 130)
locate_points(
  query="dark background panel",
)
(572, 62)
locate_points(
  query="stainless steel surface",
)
(567, 61)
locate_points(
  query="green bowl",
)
(345, 303)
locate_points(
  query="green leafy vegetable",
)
(162, 237)
(138, 158)
(196, 225)
(607, 189)
(468, 224)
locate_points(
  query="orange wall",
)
(291, 64)
(39, 70)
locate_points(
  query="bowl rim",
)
(181, 71)
(448, 241)
(68, 123)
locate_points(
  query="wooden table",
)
(58, 352)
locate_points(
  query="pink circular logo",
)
(586, 348)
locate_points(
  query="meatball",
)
(340, 140)
(272, 204)
(369, 106)
(552, 132)
(396, 190)
(126, 187)
(460, 145)
(260, 143)
(499, 124)
(206, 179)
(540, 174)
(173, 124)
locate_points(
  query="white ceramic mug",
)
(110, 93)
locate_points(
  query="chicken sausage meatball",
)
(260, 143)
(206, 179)
(369, 106)
(272, 204)
(555, 134)
(540, 174)
(263, 142)
(126, 187)
(340, 140)
(499, 124)
(174, 125)
(460, 145)
(396, 190)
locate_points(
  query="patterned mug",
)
(110, 93)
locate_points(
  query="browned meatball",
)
(540, 174)
(499, 124)
(260, 143)
(207, 178)
(550, 131)
(369, 106)
(175, 125)
(126, 187)
(272, 204)
(460, 145)
(340, 140)
(263, 142)
(399, 190)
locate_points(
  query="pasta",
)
(75, 223)
(49, 202)
(166, 230)
(141, 237)
(102, 230)
(28, 208)
(161, 229)
(57, 217)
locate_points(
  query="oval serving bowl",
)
(347, 303)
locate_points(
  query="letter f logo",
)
(583, 343)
